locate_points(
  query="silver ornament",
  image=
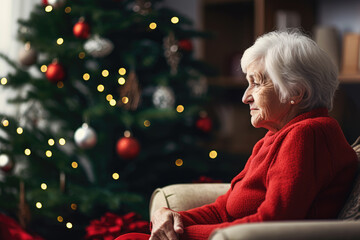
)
(56, 3)
(163, 97)
(27, 55)
(85, 137)
(98, 47)
(198, 87)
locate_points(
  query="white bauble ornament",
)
(98, 47)
(163, 97)
(85, 137)
(56, 3)
(27, 55)
(6, 164)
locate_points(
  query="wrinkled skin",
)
(166, 225)
(266, 109)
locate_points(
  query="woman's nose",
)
(247, 97)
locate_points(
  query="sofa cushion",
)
(351, 209)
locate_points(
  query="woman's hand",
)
(166, 225)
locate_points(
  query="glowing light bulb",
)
(69, 225)
(109, 97)
(48, 153)
(48, 8)
(112, 102)
(27, 152)
(73, 206)
(43, 186)
(147, 123)
(60, 41)
(105, 73)
(5, 123)
(38, 205)
(62, 141)
(125, 100)
(174, 20)
(213, 154)
(74, 165)
(68, 10)
(43, 68)
(152, 25)
(100, 88)
(86, 77)
(179, 162)
(180, 108)
(60, 219)
(4, 81)
(51, 142)
(122, 71)
(121, 81)
(115, 176)
(19, 130)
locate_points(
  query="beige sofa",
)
(186, 196)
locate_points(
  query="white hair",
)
(296, 65)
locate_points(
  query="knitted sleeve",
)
(207, 214)
(291, 186)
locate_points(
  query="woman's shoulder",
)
(326, 123)
(324, 127)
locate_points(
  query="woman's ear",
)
(299, 96)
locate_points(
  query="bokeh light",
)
(213, 154)
(74, 165)
(115, 176)
(122, 71)
(174, 20)
(152, 25)
(179, 162)
(180, 108)
(62, 141)
(86, 77)
(43, 186)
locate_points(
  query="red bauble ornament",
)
(55, 72)
(204, 124)
(81, 29)
(128, 147)
(185, 45)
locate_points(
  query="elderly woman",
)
(302, 169)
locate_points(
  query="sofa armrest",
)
(181, 197)
(295, 230)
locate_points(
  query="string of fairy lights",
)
(112, 102)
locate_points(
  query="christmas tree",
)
(114, 109)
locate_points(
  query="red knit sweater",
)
(303, 171)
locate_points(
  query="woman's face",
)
(266, 110)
